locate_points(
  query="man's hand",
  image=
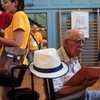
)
(89, 82)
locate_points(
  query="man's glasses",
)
(77, 41)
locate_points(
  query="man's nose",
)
(81, 44)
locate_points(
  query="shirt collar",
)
(63, 53)
(65, 56)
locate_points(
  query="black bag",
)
(23, 94)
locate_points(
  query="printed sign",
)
(80, 21)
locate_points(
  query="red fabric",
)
(5, 19)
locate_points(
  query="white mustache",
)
(80, 49)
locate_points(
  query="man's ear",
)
(65, 41)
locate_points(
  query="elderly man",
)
(69, 52)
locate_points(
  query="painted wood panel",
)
(96, 2)
(80, 2)
(56, 4)
(61, 2)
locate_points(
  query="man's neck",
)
(33, 33)
(67, 52)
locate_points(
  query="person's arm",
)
(41, 42)
(2, 32)
(16, 41)
(68, 90)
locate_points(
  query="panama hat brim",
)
(56, 74)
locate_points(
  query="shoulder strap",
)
(34, 39)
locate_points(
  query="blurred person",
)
(69, 52)
(5, 19)
(44, 44)
(17, 33)
(35, 42)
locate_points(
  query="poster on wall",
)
(80, 21)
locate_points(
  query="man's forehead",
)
(77, 35)
(76, 32)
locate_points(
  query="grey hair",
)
(67, 35)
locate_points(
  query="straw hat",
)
(47, 64)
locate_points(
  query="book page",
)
(84, 72)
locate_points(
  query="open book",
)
(90, 72)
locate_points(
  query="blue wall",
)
(51, 8)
